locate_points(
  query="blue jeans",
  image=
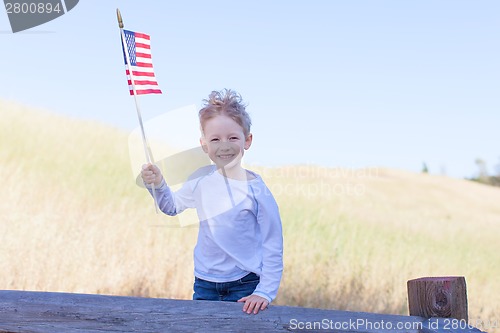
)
(225, 291)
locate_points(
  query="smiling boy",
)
(239, 252)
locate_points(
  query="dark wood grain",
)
(444, 297)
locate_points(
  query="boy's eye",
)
(214, 140)
(233, 138)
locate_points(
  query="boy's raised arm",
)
(169, 202)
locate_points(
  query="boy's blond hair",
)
(225, 102)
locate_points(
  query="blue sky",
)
(336, 83)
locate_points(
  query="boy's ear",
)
(203, 145)
(248, 141)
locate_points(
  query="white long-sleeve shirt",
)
(240, 228)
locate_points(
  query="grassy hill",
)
(74, 220)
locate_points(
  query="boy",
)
(239, 252)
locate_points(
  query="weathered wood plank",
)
(40, 312)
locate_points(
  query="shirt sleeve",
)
(269, 221)
(173, 203)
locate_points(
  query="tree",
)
(482, 176)
(425, 169)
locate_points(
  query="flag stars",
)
(130, 39)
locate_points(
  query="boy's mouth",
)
(226, 156)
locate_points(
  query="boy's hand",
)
(253, 303)
(151, 174)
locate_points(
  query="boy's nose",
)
(228, 147)
(225, 146)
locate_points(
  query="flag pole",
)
(147, 148)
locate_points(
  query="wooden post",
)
(444, 297)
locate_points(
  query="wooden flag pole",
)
(147, 148)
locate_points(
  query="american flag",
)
(141, 65)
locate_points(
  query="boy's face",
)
(224, 141)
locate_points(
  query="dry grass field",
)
(72, 219)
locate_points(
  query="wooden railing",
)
(44, 312)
